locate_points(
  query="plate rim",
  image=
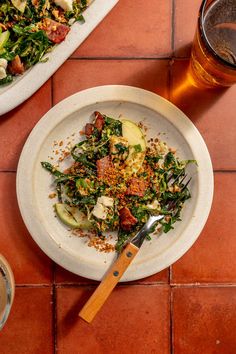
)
(88, 97)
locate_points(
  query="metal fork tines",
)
(138, 239)
(176, 178)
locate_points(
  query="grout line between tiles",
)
(7, 171)
(52, 91)
(169, 279)
(54, 310)
(172, 286)
(173, 27)
(32, 286)
(170, 274)
(171, 322)
(158, 284)
(169, 83)
(203, 285)
(55, 285)
(120, 58)
(171, 61)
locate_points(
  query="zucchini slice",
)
(72, 216)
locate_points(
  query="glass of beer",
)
(213, 57)
(7, 290)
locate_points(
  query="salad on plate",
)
(31, 28)
(117, 180)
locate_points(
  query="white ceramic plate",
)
(69, 116)
(24, 86)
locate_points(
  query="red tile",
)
(30, 265)
(132, 29)
(186, 13)
(17, 124)
(212, 258)
(62, 276)
(213, 113)
(29, 326)
(161, 277)
(76, 75)
(204, 320)
(135, 319)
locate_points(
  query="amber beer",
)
(213, 57)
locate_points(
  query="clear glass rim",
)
(9, 294)
(204, 36)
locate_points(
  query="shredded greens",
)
(26, 37)
(156, 187)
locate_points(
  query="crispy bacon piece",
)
(16, 66)
(105, 168)
(55, 31)
(4, 27)
(99, 122)
(137, 186)
(89, 129)
(127, 220)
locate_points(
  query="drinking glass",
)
(213, 57)
(7, 290)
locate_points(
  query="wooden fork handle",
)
(108, 283)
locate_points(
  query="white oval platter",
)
(24, 86)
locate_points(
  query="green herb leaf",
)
(114, 125)
(169, 159)
(121, 148)
(81, 183)
(6, 80)
(137, 148)
(48, 166)
(80, 19)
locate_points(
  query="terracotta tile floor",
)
(129, 321)
(132, 30)
(29, 328)
(187, 309)
(204, 320)
(186, 13)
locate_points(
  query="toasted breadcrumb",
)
(52, 195)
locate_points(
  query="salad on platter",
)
(31, 28)
(117, 180)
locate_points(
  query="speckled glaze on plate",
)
(24, 86)
(34, 184)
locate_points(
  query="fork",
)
(112, 277)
